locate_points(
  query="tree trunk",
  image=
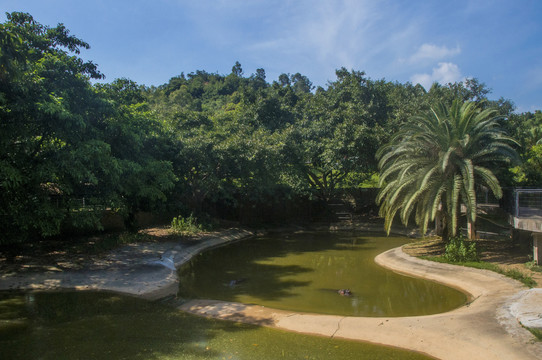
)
(130, 221)
(471, 230)
(441, 224)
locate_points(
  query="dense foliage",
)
(68, 149)
(72, 148)
(527, 128)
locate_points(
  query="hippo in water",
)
(344, 292)
(236, 282)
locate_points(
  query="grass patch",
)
(531, 265)
(514, 274)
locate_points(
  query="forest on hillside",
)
(72, 147)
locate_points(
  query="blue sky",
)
(499, 42)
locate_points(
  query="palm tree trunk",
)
(441, 224)
(471, 230)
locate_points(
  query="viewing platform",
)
(525, 209)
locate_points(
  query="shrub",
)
(188, 225)
(459, 249)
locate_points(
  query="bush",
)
(189, 225)
(459, 249)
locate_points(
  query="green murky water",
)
(87, 325)
(302, 272)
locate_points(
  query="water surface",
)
(90, 325)
(303, 272)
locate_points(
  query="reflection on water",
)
(86, 325)
(304, 272)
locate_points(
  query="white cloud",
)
(433, 52)
(315, 37)
(446, 72)
(323, 36)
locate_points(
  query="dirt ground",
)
(76, 253)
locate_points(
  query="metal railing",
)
(526, 202)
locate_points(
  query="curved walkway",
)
(483, 329)
(142, 269)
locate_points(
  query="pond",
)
(305, 271)
(90, 325)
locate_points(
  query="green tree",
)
(138, 146)
(438, 160)
(527, 129)
(237, 70)
(47, 108)
(341, 130)
(469, 90)
(68, 149)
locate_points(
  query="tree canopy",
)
(71, 148)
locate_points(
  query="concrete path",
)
(487, 328)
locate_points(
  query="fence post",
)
(537, 248)
(516, 193)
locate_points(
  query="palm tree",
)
(436, 161)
